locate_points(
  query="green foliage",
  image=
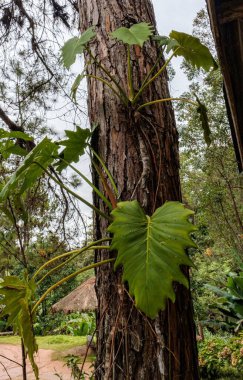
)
(230, 302)
(75, 324)
(137, 34)
(15, 135)
(202, 110)
(74, 46)
(17, 302)
(221, 356)
(190, 48)
(74, 146)
(151, 250)
(29, 171)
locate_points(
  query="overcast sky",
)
(177, 15)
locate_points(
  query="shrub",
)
(221, 356)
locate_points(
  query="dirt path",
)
(47, 366)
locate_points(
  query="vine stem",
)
(80, 250)
(107, 217)
(167, 100)
(96, 190)
(146, 84)
(104, 69)
(129, 75)
(107, 84)
(68, 261)
(59, 283)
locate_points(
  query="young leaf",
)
(192, 50)
(75, 145)
(29, 171)
(138, 34)
(161, 40)
(151, 250)
(202, 110)
(74, 46)
(75, 86)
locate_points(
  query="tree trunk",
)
(141, 152)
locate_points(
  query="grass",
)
(50, 342)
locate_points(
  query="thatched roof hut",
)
(83, 298)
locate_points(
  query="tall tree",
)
(141, 151)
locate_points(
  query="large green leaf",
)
(30, 169)
(18, 296)
(192, 50)
(151, 250)
(138, 34)
(74, 46)
(75, 145)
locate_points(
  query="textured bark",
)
(141, 151)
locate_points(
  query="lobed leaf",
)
(75, 145)
(29, 171)
(17, 298)
(74, 46)
(151, 250)
(190, 47)
(138, 34)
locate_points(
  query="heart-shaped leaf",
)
(151, 250)
(74, 46)
(192, 50)
(138, 34)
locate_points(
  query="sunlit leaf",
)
(74, 146)
(30, 169)
(190, 47)
(138, 34)
(151, 251)
(74, 46)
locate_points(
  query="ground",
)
(50, 363)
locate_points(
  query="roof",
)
(83, 298)
(226, 19)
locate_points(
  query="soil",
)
(49, 367)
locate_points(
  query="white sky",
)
(177, 15)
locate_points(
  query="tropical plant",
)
(148, 247)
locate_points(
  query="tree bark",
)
(141, 152)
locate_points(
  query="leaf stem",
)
(59, 283)
(101, 213)
(107, 84)
(106, 170)
(145, 85)
(80, 250)
(68, 261)
(103, 68)
(129, 75)
(96, 190)
(167, 100)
